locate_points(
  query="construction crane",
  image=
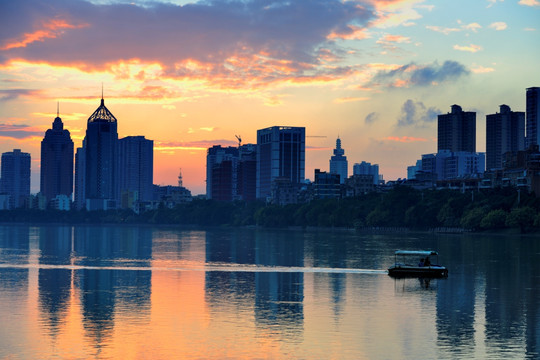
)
(239, 140)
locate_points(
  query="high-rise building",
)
(80, 178)
(456, 131)
(338, 163)
(101, 158)
(247, 172)
(56, 162)
(280, 154)
(15, 181)
(221, 173)
(136, 166)
(533, 116)
(366, 168)
(505, 131)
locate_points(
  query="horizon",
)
(190, 75)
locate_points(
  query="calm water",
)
(160, 293)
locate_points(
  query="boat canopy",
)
(416, 252)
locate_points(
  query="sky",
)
(192, 74)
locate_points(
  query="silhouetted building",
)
(135, 167)
(359, 184)
(15, 180)
(505, 131)
(247, 172)
(280, 154)
(101, 151)
(80, 178)
(365, 168)
(56, 162)
(452, 165)
(326, 185)
(338, 163)
(533, 116)
(456, 131)
(221, 172)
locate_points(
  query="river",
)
(141, 292)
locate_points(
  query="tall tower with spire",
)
(101, 159)
(56, 161)
(338, 162)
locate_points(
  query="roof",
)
(416, 252)
(102, 114)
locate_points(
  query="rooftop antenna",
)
(58, 109)
(180, 182)
(239, 140)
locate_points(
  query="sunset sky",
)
(192, 74)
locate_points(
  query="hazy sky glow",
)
(189, 75)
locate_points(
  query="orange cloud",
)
(471, 48)
(350, 99)
(50, 30)
(405, 139)
(352, 32)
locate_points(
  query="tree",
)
(522, 217)
(495, 219)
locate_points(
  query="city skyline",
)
(374, 73)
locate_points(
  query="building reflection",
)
(229, 247)
(279, 295)
(54, 284)
(511, 295)
(456, 300)
(15, 248)
(104, 289)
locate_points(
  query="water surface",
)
(160, 293)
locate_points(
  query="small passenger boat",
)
(423, 263)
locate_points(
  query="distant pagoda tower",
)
(338, 162)
(56, 176)
(101, 149)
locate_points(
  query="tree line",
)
(401, 206)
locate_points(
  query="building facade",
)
(221, 173)
(449, 165)
(456, 131)
(56, 176)
(15, 177)
(101, 160)
(136, 167)
(280, 154)
(338, 162)
(505, 131)
(366, 168)
(533, 116)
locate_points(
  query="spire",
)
(338, 151)
(57, 123)
(102, 114)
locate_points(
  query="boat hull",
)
(418, 271)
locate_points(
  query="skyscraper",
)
(80, 178)
(338, 163)
(136, 166)
(280, 154)
(15, 181)
(56, 162)
(505, 131)
(456, 131)
(221, 173)
(533, 116)
(101, 151)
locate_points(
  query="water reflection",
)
(161, 293)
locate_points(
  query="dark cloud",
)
(371, 118)
(19, 131)
(417, 114)
(421, 75)
(12, 94)
(260, 36)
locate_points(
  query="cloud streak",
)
(231, 43)
(412, 74)
(19, 132)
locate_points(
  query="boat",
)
(419, 263)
